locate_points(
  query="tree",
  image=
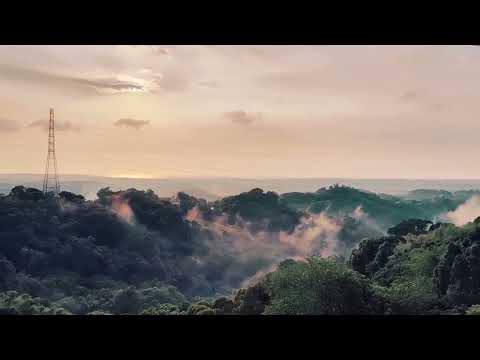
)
(411, 226)
(23, 193)
(74, 198)
(322, 287)
(7, 274)
(126, 301)
(473, 310)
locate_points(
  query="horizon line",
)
(248, 178)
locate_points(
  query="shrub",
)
(126, 301)
(319, 286)
(473, 310)
(164, 309)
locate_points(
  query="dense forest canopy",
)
(338, 250)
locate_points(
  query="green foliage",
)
(410, 226)
(23, 304)
(71, 197)
(407, 276)
(473, 310)
(27, 194)
(207, 311)
(386, 210)
(223, 306)
(428, 272)
(74, 305)
(410, 294)
(252, 300)
(163, 309)
(126, 301)
(84, 258)
(372, 254)
(319, 286)
(61, 311)
(154, 296)
(260, 208)
(457, 275)
(196, 309)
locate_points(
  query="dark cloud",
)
(136, 124)
(241, 117)
(109, 85)
(8, 125)
(173, 80)
(59, 125)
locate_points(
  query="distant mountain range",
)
(215, 188)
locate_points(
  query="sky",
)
(243, 111)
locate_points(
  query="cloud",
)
(169, 80)
(158, 50)
(111, 85)
(172, 82)
(439, 107)
(8, 125)
(59, 125)
(136, 124)
(427, 102)
(208, 84)
(105, 85)
(241, 117)
(109, 82)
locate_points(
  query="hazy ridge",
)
(215, 188)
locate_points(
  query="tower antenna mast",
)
(50, 180)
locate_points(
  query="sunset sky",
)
(243, 111)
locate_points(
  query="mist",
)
(252, 253)
(465, 213)
(121, 208)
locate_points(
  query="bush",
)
(473, 310)
(155, 296)
(252, 300)
(75, 305)
(164, 309)
(126, 301)
(410, 226)
(195, 309)
(320, 286)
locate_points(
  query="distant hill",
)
(216, 188)
(386, 210)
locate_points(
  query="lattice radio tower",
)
(51, 184)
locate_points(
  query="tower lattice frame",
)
(51, 183)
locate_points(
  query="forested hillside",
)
(131, 252)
